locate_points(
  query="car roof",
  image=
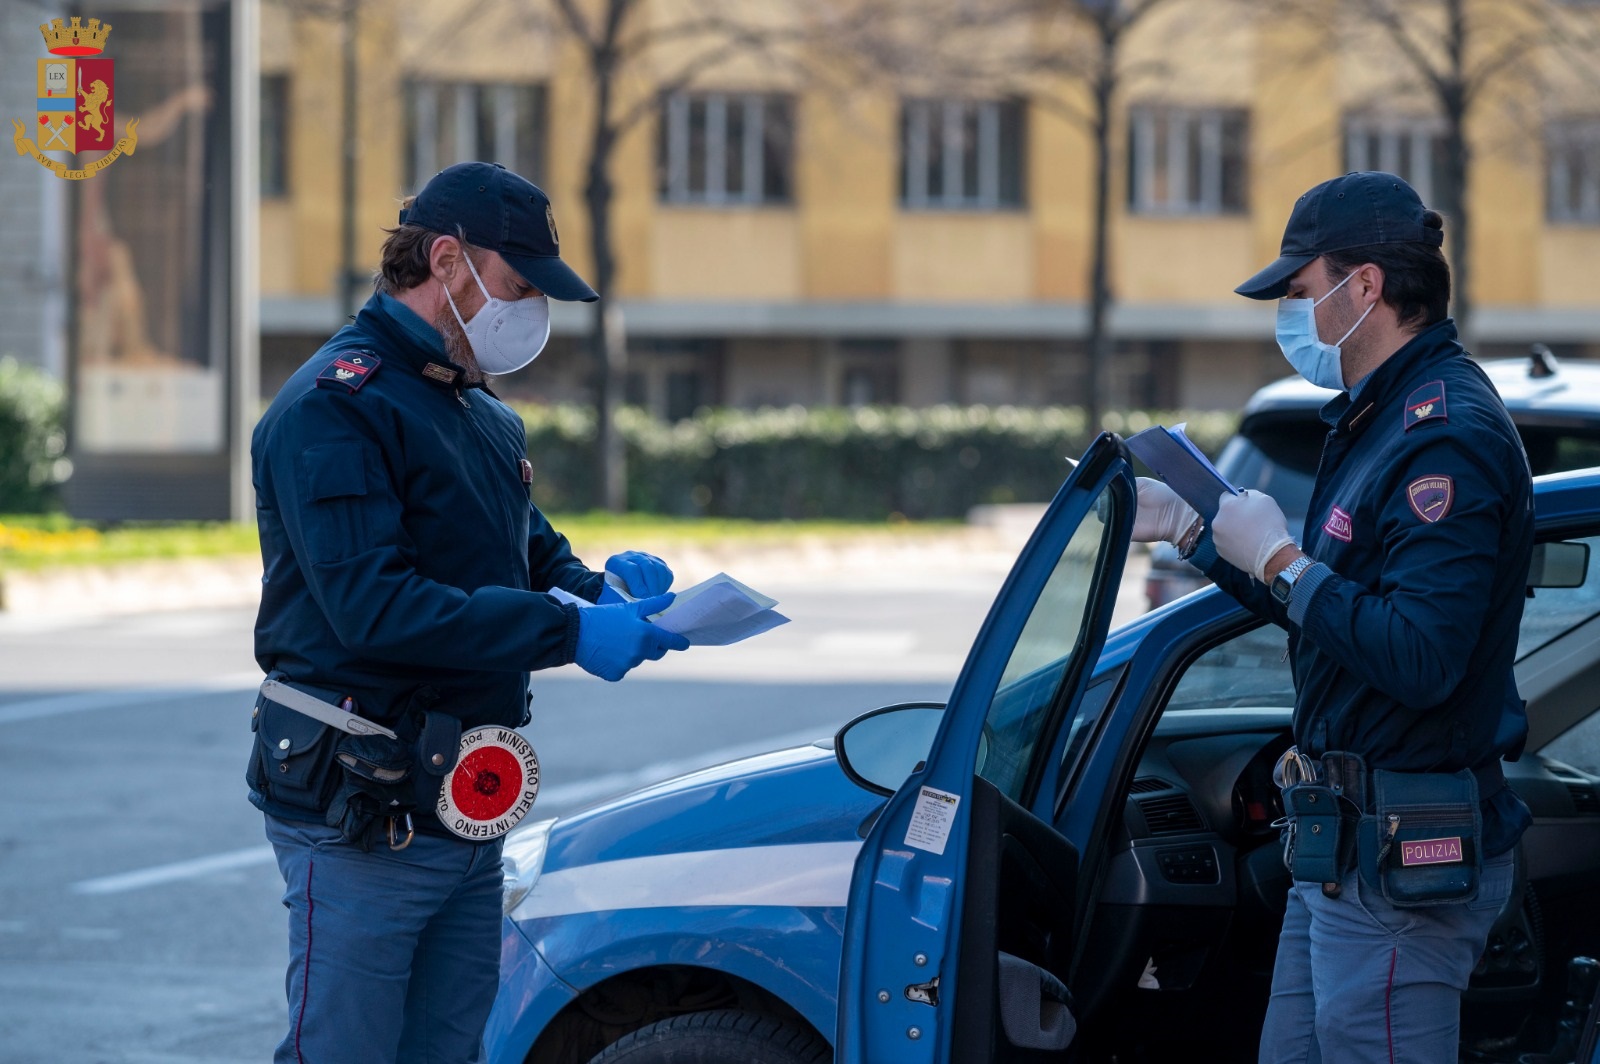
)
(1537, 383)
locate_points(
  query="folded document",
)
(1184, 467)
(712, 613)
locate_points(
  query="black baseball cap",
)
(1354, 211)
(503, 212)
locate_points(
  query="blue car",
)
(1074, 859)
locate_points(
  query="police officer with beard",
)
(1402, 597)
(405, 601)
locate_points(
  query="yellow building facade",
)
(781, 238)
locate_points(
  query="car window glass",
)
(1251, 670)
(1020, 710)
(1553, 611)
(1287, 472)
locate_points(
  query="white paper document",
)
(712, 613)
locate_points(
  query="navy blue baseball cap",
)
(1354, 211)
(503, 212)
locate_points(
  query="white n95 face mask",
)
(505, 334)
(1314, 360)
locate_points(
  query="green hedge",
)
(32, 439)
(869, 463)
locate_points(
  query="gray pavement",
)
(139, 907)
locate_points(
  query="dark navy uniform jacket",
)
(404, 563)
(1403, 635)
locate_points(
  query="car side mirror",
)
(1559, 565)
(880, 749)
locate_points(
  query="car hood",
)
(786, 797)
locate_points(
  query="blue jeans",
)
(394, 956)
(1360, 981)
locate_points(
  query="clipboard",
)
(1182, 465)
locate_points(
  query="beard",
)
(457, 348)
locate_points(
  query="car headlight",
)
(522, 858)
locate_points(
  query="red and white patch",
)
(493, 785)
(1338, 525)
(1431, 851)
(1430, 497)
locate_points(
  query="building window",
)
(274, 135)
(961, 154)
(1411, 147)
(726, 148)
(1188, 161)
(1572, 151)
(451, 122)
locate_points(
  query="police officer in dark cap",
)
(404, 602)
(1402, 597)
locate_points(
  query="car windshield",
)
(1029, 688)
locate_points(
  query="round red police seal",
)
(493, 785)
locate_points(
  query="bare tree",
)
(621, 44)
(1458, 55)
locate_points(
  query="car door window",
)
(1554, 611)
(1251, 669)
(1020, 710)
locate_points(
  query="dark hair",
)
(1416, 277)
(403, 263)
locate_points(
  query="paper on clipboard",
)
(1183, 466)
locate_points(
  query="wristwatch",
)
(1283, 583)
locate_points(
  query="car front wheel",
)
(725, 1036)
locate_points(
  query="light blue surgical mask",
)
(1314, 360)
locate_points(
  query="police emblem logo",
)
(493, 785)
(1430, 497)
(75, 101)
(1425, 404)
(351, 371)
(1338, 525)
(550, 219)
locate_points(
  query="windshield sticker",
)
(931, 820)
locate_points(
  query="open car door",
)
(959, 929)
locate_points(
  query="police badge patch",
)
(1338, 525)
(1425, 404)
(350, 370)
(1430, 497)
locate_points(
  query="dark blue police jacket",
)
(1403, 638)
(404, 563)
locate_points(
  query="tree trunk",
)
(347, 159)
(607, 342)
(1458, 170)
(1099, 340)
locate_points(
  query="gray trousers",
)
(1358, 981)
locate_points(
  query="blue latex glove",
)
(613, 639)
(644, 574)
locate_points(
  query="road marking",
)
(168, 873)
(562, 798)
(58, 705)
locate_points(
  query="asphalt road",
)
(139, 906)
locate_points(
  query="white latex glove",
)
(1160, 513)
(1248, 530)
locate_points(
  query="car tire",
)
(725, 1036)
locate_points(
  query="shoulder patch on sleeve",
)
(350, 370)
(1430, 497)
(1425, 404)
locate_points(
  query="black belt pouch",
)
(1420, 845)
(292, 760)
(1316, 850)
(438, 746)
